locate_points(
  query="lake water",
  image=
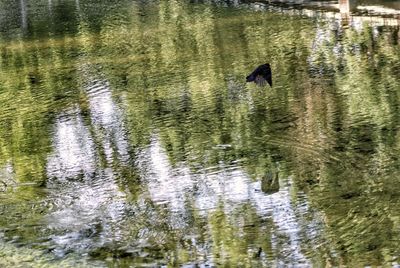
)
(129, 137)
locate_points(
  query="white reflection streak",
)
(84, 196)
(106, 116)
(74, 148)
(232, 186)
(284, 217)
(84, 204)
(321, 41)
(164, 185)
(169, 185)
(7, 177)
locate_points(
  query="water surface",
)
(128, 136)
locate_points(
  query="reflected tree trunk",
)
(50, 7)
(77, 5)
(347, 6)
(24, 19)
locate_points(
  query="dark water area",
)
(129, 137)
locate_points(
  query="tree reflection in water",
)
(140, 143)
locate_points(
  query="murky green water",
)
(128, 137)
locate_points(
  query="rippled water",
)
(128, 136)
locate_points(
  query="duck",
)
(261, 75)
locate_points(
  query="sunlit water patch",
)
(85, 198)
(107, 119)
(129, 137)
(74, 148)
(229, 187)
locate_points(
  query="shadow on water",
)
(129, 137)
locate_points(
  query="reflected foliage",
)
(128, 134)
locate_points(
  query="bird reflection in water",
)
(270, 182)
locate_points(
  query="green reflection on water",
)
(154, 91)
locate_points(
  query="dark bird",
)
(32, 78)
(261, 75)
